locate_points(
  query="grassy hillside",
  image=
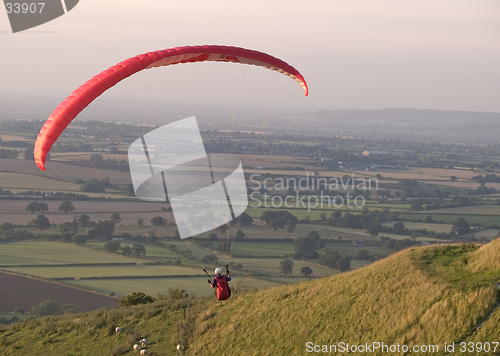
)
(422, 296)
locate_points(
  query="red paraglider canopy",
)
(88, 92)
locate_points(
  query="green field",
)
(484, 220)
(486, 209)
(410, 298)
(155, 286)
(262, 249)
(105, 271)
(19, 316)
(152, 252)
(421, 226)
(48, 252)
(258, 264)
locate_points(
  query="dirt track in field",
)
(18, 291)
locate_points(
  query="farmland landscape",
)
(112, 244)
(249, 178)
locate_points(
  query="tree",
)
(336, 214)
(66, 207)
(70, 309)
(79, 239)
(96, 157)
(115, 218)
(224, 247)
(335, 260)
(463, 201)
(239, 235)
(126, 251)
(84, 220)
(43, 208)
(6, 226)
(363, 255)
(277, 219)
(104, 228)
(245, 219)
(93, 188)
(373, 228)
(112, 246)
(158, 221)
(32, 207)
(306, 246)
(136, 298)
(453, 178)
(140, 222)
(36, 206)
(138, 250)
(41, 222)
(461, 227)
(28, 152)
(399, 226)
(48, 307)
(344, 264)
(276, 224)
(416, 204)
(306, 271)
(286, 267)
(209, 259)
(291, 226)
(68, 227)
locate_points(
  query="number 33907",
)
(32, 8)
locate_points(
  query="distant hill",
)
(420, 296)
(392, 123)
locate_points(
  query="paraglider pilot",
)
(220, 281)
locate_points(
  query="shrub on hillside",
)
(48, 307)
(136, 298)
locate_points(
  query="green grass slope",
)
(425, 296)
(421, 296)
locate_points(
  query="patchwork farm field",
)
(49, 252)
(104, 271)
(421, 226)
(419, 173)
(14, 211)
(464, 184)
(466, 210)
(349, 234)
(246, 160)
(27, 292)
(63, 172)
(483, 220)
(155, 286)
(84, 207)
(114, 275)
(28, 182)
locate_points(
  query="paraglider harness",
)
(222, 285)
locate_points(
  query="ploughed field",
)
(25, 292)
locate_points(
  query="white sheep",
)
(143, 351)
(118, 330)
(137, 347)
(143, 342)
(179, 347)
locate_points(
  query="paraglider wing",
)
(85, 94)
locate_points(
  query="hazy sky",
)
(353, 53)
